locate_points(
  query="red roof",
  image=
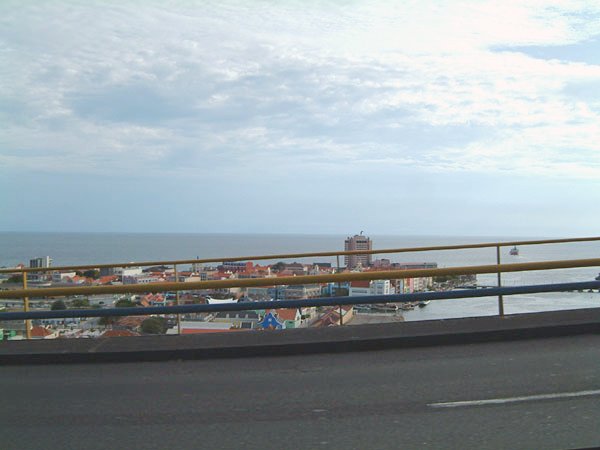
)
(107, 279)
(40, 332)
(286, 314)
(118, 333)
(364, 284)
(131, 321)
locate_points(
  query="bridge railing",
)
(25, 293)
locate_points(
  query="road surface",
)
(542, 393)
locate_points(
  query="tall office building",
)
(357, 242)
(39, 263)
(46, 261)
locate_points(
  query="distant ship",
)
(514, 251)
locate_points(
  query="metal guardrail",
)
(298, 280)
(305, 255)
(498, 268)
(304, 303)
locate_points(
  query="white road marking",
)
(527, 398)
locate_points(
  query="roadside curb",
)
(303, 341)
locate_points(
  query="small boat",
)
(424, 303)
(219, 301)
(514, 251)
(597, 278)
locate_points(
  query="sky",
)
(393, 117)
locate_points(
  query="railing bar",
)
(339, 289)
(177, 299)
(306, 255)
(26, 308)
(304, 279)
(500, 299)
(325, 301)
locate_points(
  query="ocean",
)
(90, 248)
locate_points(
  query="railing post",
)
(26, 308)
(177, 300)
(500, 298)
(339, 289)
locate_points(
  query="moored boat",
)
(385, 307)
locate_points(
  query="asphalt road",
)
(527, 394)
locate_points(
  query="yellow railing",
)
(298, 280)
(303, 255)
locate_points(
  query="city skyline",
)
(461, 118)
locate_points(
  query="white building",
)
(140, 279)
(374, 287)
(381, 287)
(58, 277)
(128, 271)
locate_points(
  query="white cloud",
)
(102, 88)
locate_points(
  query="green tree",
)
(80, 303)
(154, 325)
(278, 267)
(92, 273)
(125, 303)
(107, 320)
(15, 279)
(58, 305)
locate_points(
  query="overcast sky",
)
(397, 117)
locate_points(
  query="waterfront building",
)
(128, 271)
(235, 267)
(59, 277)
(374, 287)
(357, 242)
(335, 289)
(359, 288)
(140, 279)
(238, 319)
(300, 291)
(381, 287)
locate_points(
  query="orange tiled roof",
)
(360, 283)
(131, 321)
(286, 314)
(40, 332)
(118, 333)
